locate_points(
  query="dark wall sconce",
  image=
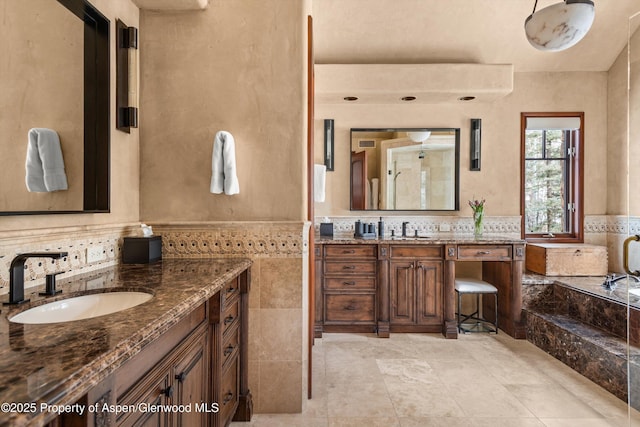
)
(476, 143)
(328, 144)
(126, 77)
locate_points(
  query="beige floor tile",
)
(359, 400)
(436, 422)
(417, 400)
(488, 400)
(425, 380)
(407, 371)
(546, 401)
(364, 422)
(573, 422)
(508, 422)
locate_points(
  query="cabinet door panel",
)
(429, 302)
(151, 391)
(190, 386)
(402, 292)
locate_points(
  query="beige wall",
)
(498, 181)
(236, 66)
(125, 161)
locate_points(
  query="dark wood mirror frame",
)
(96, 110)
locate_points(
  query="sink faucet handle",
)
(50, 285)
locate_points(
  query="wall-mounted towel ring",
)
(44, 165)
(223, 165)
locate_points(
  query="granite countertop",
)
(58, 363)
(436, 239)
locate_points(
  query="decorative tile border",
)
(425, 225)
(74, 240)
(233, 239)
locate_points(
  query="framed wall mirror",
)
(58, 79)
(405, 169)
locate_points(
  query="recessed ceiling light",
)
(350, 98)
(466, 98)
(408, 98)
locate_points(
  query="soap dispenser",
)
(381, 228)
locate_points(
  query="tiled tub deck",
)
(585, 326)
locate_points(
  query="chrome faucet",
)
(16, 274)
(610, 281)
(404, 228)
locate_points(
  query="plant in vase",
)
(477, 206)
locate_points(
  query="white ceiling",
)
(460, 31)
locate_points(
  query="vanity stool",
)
(465, 286)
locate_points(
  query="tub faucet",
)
(16, 274)
(610, 281)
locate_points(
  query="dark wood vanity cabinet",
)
(416, 288)
(229, 331)
(396, 286)
(349, 278)
(198, 368)
(177, 380)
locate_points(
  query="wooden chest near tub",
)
(566, 259)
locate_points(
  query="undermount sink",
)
(81, 307)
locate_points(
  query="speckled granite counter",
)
(59, 363)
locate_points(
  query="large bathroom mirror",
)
(55, 75)
(405, 169)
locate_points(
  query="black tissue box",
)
(326, 229)
(142, 250)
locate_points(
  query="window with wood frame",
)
(552, 202)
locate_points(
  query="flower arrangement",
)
(477, 206)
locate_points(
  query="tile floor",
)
(424, 380)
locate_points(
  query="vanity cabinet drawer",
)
(230, 316)
(350, 267)
(352, 308)
(484, 252)
(230, 292)
(416, 251)
(228, 400)
(350, 251)
(350, 283)
(230, 346)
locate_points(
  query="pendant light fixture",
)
(559, 26)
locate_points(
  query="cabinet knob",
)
(349, 283)
(483, 252)
(350, 307)
(228, 350)
(348, 251)
(228, 320)
(348, 267)
(168, 392)
(227, 398)
(181, 377)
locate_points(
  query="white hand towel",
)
(223, 165)
(44, 165)
(319, 182)
(217, 169)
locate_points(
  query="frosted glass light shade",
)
(559, 26)
(420, 136)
